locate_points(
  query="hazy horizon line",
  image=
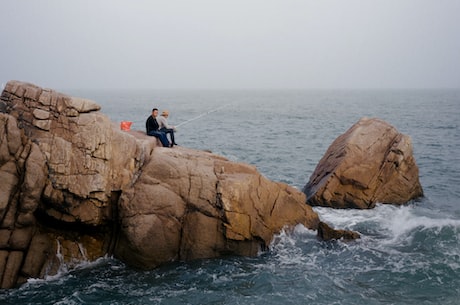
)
(63, 89)
(261, 88)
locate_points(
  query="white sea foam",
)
(404, 220)
(65, 270)
(393, 221)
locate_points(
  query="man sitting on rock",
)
(152, 128)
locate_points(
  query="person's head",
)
(165, 113)
(154, 112)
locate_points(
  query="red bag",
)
(125, 125)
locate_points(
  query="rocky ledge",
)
(74, 187)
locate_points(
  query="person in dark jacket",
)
(152, 128)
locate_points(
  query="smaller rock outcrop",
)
(370, 163)
(325, 232)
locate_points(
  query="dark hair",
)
(154, 109)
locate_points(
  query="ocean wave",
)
(395, 221)
(64, 272)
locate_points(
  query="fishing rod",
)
(203, 114)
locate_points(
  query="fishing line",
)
(203, 114)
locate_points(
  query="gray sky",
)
(231, 44)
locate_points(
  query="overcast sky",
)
(231, 44)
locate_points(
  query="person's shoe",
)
(175, 144)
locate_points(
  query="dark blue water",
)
(407, 255)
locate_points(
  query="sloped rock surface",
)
(189, 204)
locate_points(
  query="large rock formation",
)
(73, 184)
(370, 163)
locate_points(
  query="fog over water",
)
(231, 44)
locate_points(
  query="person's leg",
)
(164, 140)
(171, 134)
(153, 134)
(160, 135)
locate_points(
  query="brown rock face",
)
(372, 162)
(189, 204)
(73, 183)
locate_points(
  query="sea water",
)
(407, 254)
